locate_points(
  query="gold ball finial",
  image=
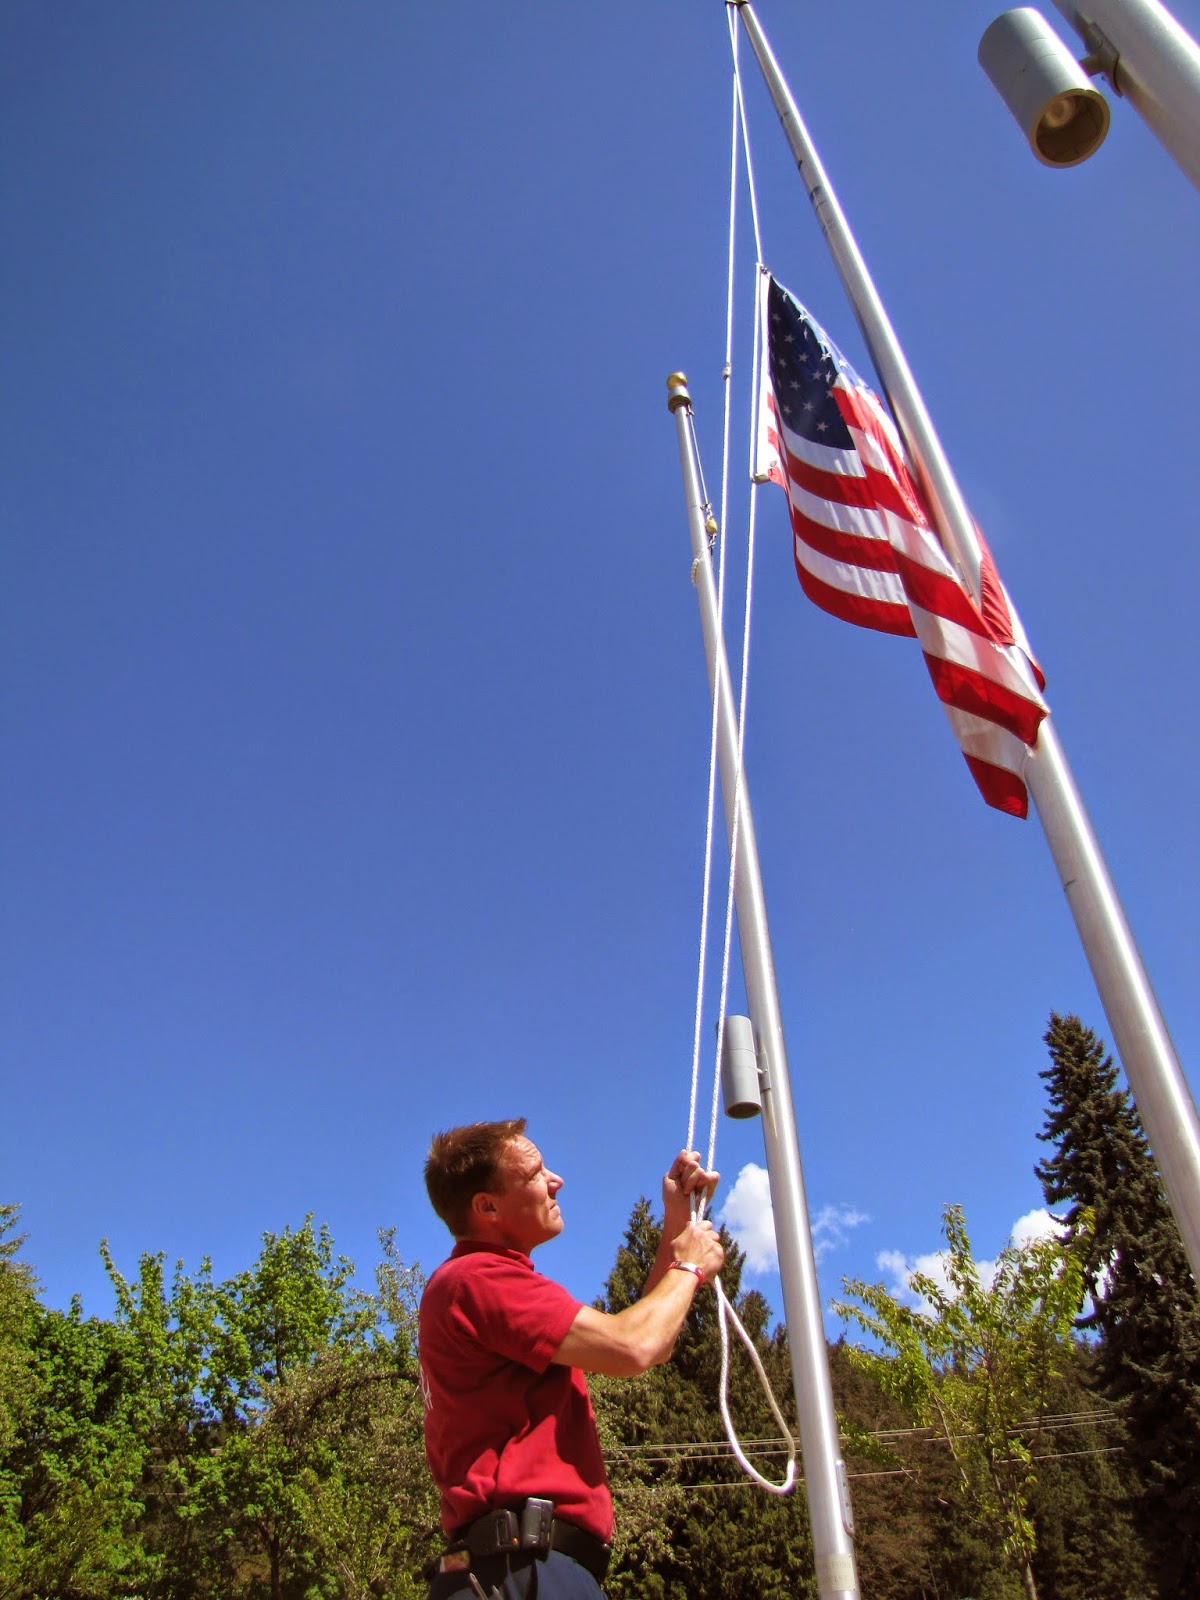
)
(677, 391)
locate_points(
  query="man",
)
(509, 1430)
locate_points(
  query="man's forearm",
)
(643, 1335)
(655, 1319)
(632, 1341)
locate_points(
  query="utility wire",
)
(899, 1472)
(718, 1449)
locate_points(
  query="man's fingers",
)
(697, 1178)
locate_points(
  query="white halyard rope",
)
(726, 1315)
(739, 100)
(702, 962)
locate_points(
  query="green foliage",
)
(252, 1437)
(18, 1388)
(977, 1366)
(18, 1383)
(689, 1524)
(75, 1472)
(363, 1499)
(1087, 1546)
(1146, 1307)
(898, 1491)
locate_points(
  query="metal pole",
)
(1139, 1032)
(1157, 68)
(824, 1471)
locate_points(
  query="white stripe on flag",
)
(850, 579)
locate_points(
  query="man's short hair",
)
(463, 1163)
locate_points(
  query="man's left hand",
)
(685, 1179)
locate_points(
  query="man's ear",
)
(483, 1207)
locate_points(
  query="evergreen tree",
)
(1145, 1303)
(1087, 1547)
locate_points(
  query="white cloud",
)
(831, 1227)
(1036, 1225)
(748, 1216)
(901, 1269)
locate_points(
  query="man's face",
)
(526, 1212)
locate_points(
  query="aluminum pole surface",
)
(1160, 1089)
(1157, 70)
(824, 1471)
(1143, 1045)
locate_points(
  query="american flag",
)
(866, 551)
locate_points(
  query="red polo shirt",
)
(502, 1422)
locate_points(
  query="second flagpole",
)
(1139, 1031)
(824, 1471)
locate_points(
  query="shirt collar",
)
(469, 1247)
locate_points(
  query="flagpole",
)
(1140, 1034)
(824, 1471)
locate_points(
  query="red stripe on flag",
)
(836, 487)
(992, 604)
(971, 691)
(941, 594)
(999, 787)
(855, 549)
(857, 608)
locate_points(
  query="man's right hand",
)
(700, 1244)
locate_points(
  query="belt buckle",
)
(494, 1534)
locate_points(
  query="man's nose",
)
(553, 1182)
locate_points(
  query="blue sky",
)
(353, 701)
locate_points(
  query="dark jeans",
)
(521, 1577)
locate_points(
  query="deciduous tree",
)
(977, 1363)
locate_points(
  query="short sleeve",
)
(515, 1312)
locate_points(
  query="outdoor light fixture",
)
(739, 1069)
(1062, 116)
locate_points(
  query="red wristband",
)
(689, 1266)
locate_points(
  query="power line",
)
(709, 1449)
(895, 1472)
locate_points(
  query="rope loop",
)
(725, 1316)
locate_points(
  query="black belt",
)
(505, 1540)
